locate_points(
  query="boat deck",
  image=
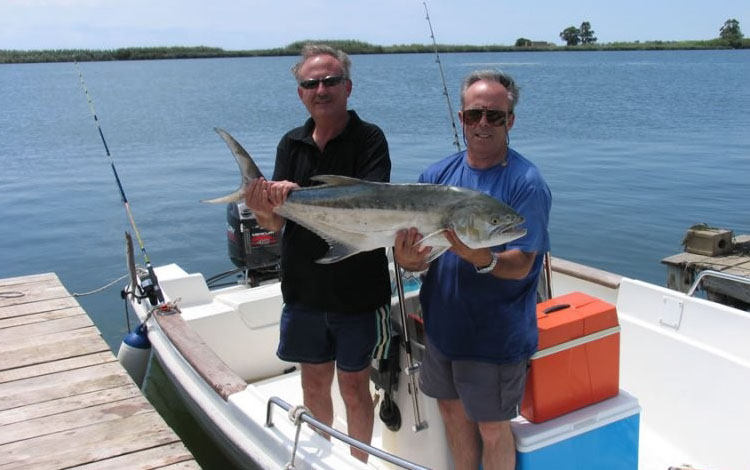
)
(66, 401)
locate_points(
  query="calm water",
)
(636, 147)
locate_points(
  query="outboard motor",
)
(250, 246)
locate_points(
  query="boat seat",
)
(190, 289)
(259, 307)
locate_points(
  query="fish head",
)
(483, 221)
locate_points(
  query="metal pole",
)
(411, 368)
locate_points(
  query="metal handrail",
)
(712, 273)
(309, 419)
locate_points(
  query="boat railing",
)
(300, 414)
(711, 273)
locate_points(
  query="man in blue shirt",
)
(480, 305)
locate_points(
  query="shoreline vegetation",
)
(350, 46)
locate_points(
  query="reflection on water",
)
(164, 397)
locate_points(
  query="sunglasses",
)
(495, 117)
(329, 81)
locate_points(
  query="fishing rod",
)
(150, 286)
(442, 76)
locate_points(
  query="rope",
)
(11, 294)
(295, 416)
(76, 294)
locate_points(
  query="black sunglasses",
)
(329, 81)
(495, 117)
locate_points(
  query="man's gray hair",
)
(492, 76)
(311, 50)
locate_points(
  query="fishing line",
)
(152, 276)
(442, 76)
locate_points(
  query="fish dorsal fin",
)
(337, 180)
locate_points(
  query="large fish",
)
(354, 215)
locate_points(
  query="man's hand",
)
(262, 196)
(479, 258)
(407, 254)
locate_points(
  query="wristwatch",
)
(489, 267)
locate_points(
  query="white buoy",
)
(134, 353)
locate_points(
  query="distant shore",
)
(350, 46)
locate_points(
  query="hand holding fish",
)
(279, 190)
(407, 253)
(258, 199)
(479, 258)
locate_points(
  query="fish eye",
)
(495, 220)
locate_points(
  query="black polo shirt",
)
(356, 284)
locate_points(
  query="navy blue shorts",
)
(488, 392)
(353, 340)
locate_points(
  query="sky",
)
(263, 24)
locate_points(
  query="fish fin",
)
(337, 252)
(435, 253)
(235, 196)
(338, 180)
(248, 169)
(433, 234)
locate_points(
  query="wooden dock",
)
(65, 401)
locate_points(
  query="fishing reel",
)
(143, 289)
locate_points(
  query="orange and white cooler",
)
(577, 362)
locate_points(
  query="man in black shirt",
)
(335, 315)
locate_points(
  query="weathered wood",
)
(73, 419)
(170, 456)
(202, 358)
(65, 402)
(51, 326)
(8, 282)
(21, 352)
(49, 305)
(45, 289)
(39, 317)
(47, 368)
(87, 444)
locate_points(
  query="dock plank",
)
(65, 404)
(65, 400)
(47, 368)
(88, 444)
(21, 352)
(49, 305)
(27, 330)
(62, 384)
(30, 318)
(170, 456)
(73, 419)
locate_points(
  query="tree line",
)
(730, 36)
(730, 33)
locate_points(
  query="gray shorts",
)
(488, 392)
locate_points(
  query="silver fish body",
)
(354, 215)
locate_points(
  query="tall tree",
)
(731, 32)
(571, 35)
(586, 34)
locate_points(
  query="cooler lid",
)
(530, 437)
(572, 316)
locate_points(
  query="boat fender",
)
(134, 353)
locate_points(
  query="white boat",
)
(686, 361)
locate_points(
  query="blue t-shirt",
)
(478, 316)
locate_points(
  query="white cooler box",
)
(600, 436)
